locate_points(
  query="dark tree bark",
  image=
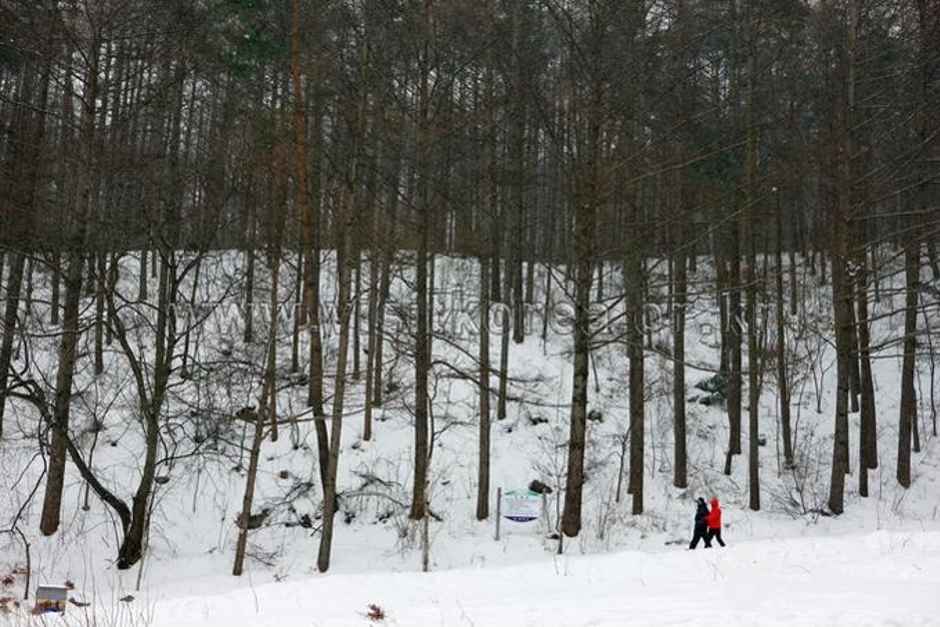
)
(298, 312)
(754, 365)
(10, 316)
(68, 354)
(310, 221)
(502, 396)
(423, 330)
(634, 282)
(357, 312)
(371, 340)
(585, 222)
(734, 343)
(855, 377)
(56, 288)
(680, 475)
(483, 468)
(571, 523)
(249, 289)
(515, 282)
(841, 281)
(339, 393)
(868, 436)
(254, 455)
(783, 380)
(100, 274)
(385, 280)
(843, 319)
(908, 409)
(26, 149)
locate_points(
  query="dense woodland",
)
(580, 149)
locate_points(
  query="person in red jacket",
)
(714, 524)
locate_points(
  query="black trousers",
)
(716, 534)
(701, 533)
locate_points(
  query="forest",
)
(228, 223)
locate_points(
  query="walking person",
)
(714, 524)
(701, 525)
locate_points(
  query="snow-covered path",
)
(885, 578)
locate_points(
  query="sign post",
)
(499, 503)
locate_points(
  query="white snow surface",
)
(881, 578)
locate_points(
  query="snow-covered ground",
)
(882, 578)
(878, 563)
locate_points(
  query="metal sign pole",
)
(499, 502)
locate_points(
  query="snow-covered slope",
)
(788, 563)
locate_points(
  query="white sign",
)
(522, 505)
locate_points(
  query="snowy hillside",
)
(790, 563)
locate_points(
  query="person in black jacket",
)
(701, 525)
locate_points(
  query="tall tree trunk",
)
(841, 281)
(388, 256)
(908, 413)
(483, 468)
(249, 252)
(310, 221)
(503, 390)
(585, 223)
(56, 280)
(783, 379)
(721, 278)
(299, 313)
(371, 337)
(750, 217)
(339, 394)
(634, 285)
(132, 546)
(518, 139)
(100, 274)
(268, 402)
(734, 344)
(26, 164)
(840, 452)
(184, 368)
(753, 369)
(422, 354)
(68, 353)
(855, 375)
(10, 315)
(791, 258)
(932, 259)
(357, 312)
(142, 277)
(680, 478)
(571, 523)
(385, 282)
(868, 437)
(254, 455)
